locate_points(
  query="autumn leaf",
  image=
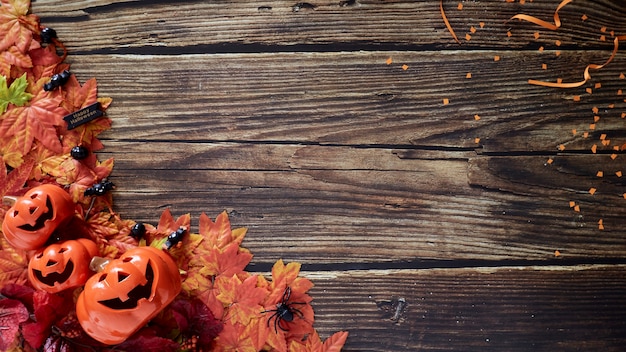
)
(335, 342)
(12, 314)
(12, 183)
(235, 337)
(13, 264)
(219, 233)
(242, 298)
(198, 321)
(16, 25)
(36, 120)
(14, 94)
(284, 276)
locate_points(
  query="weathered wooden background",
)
(288, 116)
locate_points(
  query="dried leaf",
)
(16, 25)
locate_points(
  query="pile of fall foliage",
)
(221, 306)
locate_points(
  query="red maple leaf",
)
(16, 25)
(36, 120)
(12, 314)
(195, 319)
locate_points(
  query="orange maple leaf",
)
(236, 338)
(17, 26)
(219, 233)
(12, 183)
(313, 343)
(241, 298)
(13, 264)
(36, 120)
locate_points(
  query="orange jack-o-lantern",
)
(36, 215)
(62, 265)
(129, 292)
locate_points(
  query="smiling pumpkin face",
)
(35, 216)
(128, 293)
(61, 266)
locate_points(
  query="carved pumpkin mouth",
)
(41, 220)
(137, 293)
(53, 278)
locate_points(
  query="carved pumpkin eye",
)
(35, 216)
(128, 293)
(63, 265)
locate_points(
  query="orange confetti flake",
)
(446, 101)
(481, 24)
(476, 140)
(574, 132)
(596, 118)
(557, 53)
(544, 66)
(588, 90)
(600, 225)
(592, 191)
(540, 49)
(613, 156)
(621, 75)
(549, 161)
(562, 147)
(405, 67)
(603, 136)
(584, 17)
(468, 75)
(619, 92)
(522, 2)
(472, 29)
(597, 85)
(595, 109)
(572, 203)
(559, 80)
(389, 61)
(460, 6)
(576, 98)
(618, 173)
(624, 115)
(536, 35)
(592, 126)
(577, 208)
(557, 42)
(509, 34)
(585, 134)
(600, 173)
(624, 195)
(496, 58)
(603, 29)
(611, 106)
(468, 37)
(606, 142)
(603, 38)
(557, 253)
(476, 117)
(594, 148)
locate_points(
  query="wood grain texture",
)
(159, 25)
(475, 309)
(287, 115)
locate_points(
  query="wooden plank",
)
(550, 308)
(158, 25)
(332, 204)
(356, 99)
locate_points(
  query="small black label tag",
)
(83, 115)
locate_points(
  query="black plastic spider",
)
(285, 311)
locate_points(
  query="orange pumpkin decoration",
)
(128, 293)
(35, 216)
(62, 265)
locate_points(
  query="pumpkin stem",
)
(97, 264)
(9, 200)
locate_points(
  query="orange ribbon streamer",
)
(445, 20)
(542, 23)
(586, 74)
(555, 26)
